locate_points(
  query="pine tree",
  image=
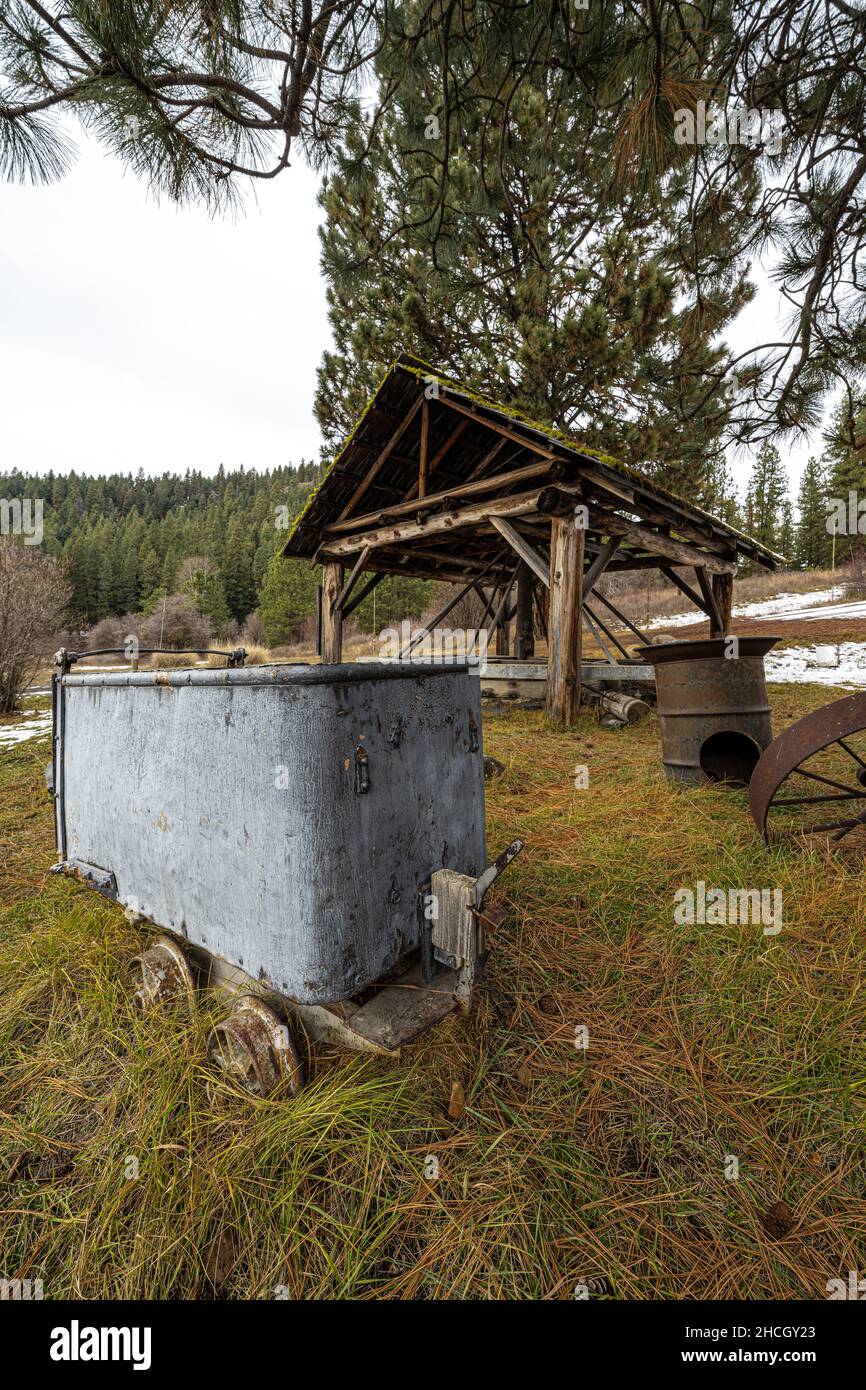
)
(766, 518)
(534, 284)
(845, 455)
(288, 598)
(812, 546)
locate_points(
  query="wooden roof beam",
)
(473, 414)
(382, 459)
(472, 489)
(659, 544)
(438, 457)
(519, 504)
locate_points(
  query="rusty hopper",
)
(713, 707)
(283, 819)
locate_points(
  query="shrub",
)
(177, 624)
(113, 632)
(33, 594)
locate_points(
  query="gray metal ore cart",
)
(311, 837)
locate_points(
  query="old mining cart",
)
(311, 837)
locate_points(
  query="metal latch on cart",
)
(456, 932)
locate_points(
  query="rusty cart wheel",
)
(811, 781)
(254, 1048)
(161, 975)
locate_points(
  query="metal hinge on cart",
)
(454, 935)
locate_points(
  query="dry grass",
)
(704, 1042)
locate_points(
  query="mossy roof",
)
(388, 406)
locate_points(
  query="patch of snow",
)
(783, 605)
(13, 734)
(840, 663)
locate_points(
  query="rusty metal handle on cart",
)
(65, 659)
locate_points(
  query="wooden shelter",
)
(437, 482)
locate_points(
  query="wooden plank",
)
(332, 618)
(659, 544)
(425, 439)
(488, 458)
(626, 622)
(497, 619)
(503, 619)
(349, 584)
(606, 630)
(588, 616)
(382, 459)
(545, 451)
(446, 609)
(493, 483)
(523, 549)
(524, 628)
(563, 662)
(439, 456)
(398, 532)
(684, 588)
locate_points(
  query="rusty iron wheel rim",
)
(817, 763)
(254, 1048)
(162, 975)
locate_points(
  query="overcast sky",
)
(141, 335)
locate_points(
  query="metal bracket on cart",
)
(408, 1005)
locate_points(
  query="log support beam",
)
(332, 617)
(524, 635)
(566, 603)
(723, 592)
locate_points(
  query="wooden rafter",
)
(521, 546)
(497, 481)
(382, 459)
(547, 451)
(516, 505)
(438, 457)
(425, 441)
(660, 544)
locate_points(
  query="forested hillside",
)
(127, 541)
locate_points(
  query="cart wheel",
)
(161, 974)
(253, 1047)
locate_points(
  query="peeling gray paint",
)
(229, 807)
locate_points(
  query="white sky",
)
(141, 335)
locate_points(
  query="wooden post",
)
(332, 618)
(563, 661)
(524, 636)
(503, 624)
(425, 438)
(723, 592)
